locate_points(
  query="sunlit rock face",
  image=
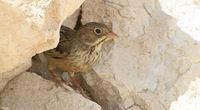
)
(27, 28)
(154, 65)
(28, 91)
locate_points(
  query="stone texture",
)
(27, 28)
(29, 91)
(154, 65)
(191, 98)
(6, 76)
(71, 21)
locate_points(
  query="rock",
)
(154, 65)
(27, 28)
(72, 20)
(191, 98)
(11, 74)
(29, 91)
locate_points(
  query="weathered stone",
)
(154, 62)
(72, 20)
(27, 28)
(6, 76)
(29, 91)
(154, 65)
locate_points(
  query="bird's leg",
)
(55, 79)
(79, 87)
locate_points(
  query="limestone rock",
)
(72, 20)
(29, 91)
(29, 27)
(6, 76)
(154, 65)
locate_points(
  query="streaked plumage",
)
(79, 50)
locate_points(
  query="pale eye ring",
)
(97, 31)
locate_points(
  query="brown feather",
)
(77, 50)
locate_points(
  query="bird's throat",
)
(99, 45)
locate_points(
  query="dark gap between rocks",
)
(78, 22)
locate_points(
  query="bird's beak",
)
(112, 35)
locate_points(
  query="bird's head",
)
(95, 34)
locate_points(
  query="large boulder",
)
(154, 65)
(29, 91)
(29, 27)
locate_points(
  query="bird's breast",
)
(87, 59)
(79, 61)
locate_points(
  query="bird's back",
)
(65, 44)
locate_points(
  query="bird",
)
(78, 50)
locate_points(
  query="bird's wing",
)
(67, 37)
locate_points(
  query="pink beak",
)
(112, 35)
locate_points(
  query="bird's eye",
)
(97, 31)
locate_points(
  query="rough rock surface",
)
(5, 77)
(154, 65)
(72, 20)
(27, 28)
(29, 91)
